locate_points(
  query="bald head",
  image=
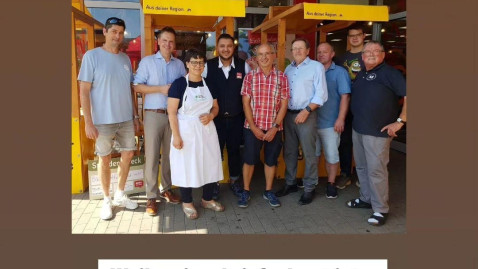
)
(325, 53)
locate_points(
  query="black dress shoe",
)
(286, 190)
(307, 197)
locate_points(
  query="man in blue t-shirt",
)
(105, 94)
(375, 105)
(331, 116)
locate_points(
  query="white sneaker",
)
(106, 211)
(124, 201)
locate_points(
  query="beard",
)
(226, 59)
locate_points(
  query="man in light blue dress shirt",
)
(308, 91)
(153, 78)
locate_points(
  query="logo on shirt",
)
(239, 75)
(126, 67)
(199, 97)
(371, 76)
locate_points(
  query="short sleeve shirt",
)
(266, 93)
(111, 76)
(375, 96)
(338, 83)
(178, 88)
(352, 62)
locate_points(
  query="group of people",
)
(190, 117)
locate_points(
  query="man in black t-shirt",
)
(352, 62)
(374, 104)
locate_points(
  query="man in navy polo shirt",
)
(377, 117)
(224, 75)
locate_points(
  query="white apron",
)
(199, 161)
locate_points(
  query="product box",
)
(134, 183)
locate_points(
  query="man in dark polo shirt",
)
(374, 104)
(224, 75)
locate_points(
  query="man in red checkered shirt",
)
(265, 93)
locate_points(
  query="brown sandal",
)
(213, 205)
(190, 213)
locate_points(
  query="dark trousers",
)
(230, 132)
(207, 192)
(345, 148)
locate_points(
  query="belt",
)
(294, 111)
(228, 115)
(162, 111)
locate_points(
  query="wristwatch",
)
(308, 109)
(401, 121)
(276, 125)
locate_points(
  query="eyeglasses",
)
(262, 55)
(196, 63)
(370, 52)
(356, 35)
(297, 49)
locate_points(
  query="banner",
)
(345, 12)
(224, 8)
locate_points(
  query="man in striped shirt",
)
(265, 93)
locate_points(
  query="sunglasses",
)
(116, 21)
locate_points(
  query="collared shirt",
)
(266, 93)
(338, 83)
(153, 70)
(374, 100)
(226, 69)
(307, 84)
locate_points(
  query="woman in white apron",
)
(195, 156)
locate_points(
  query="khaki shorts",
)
(122, 133)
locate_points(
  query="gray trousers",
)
(304, 134)
(157, 135)
(371, 154)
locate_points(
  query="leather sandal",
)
(357, 203)
(213, 205)
(190, 213)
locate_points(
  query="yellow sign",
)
(225, 8)
(345, 12)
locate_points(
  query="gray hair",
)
(273, 49)
(372, 42)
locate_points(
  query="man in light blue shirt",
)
(105, 94)
(308, 91)
(331, 116)
(153, 78)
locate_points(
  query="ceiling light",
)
(335, 40)
(330, 33)
(209, 34)
(235, 41)
(390, 51)
(383, 30)
(368, 34)
(402, 35)
(125, 33)
(321, 23)
(370, 23)
(390, 41)
(403, 27)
